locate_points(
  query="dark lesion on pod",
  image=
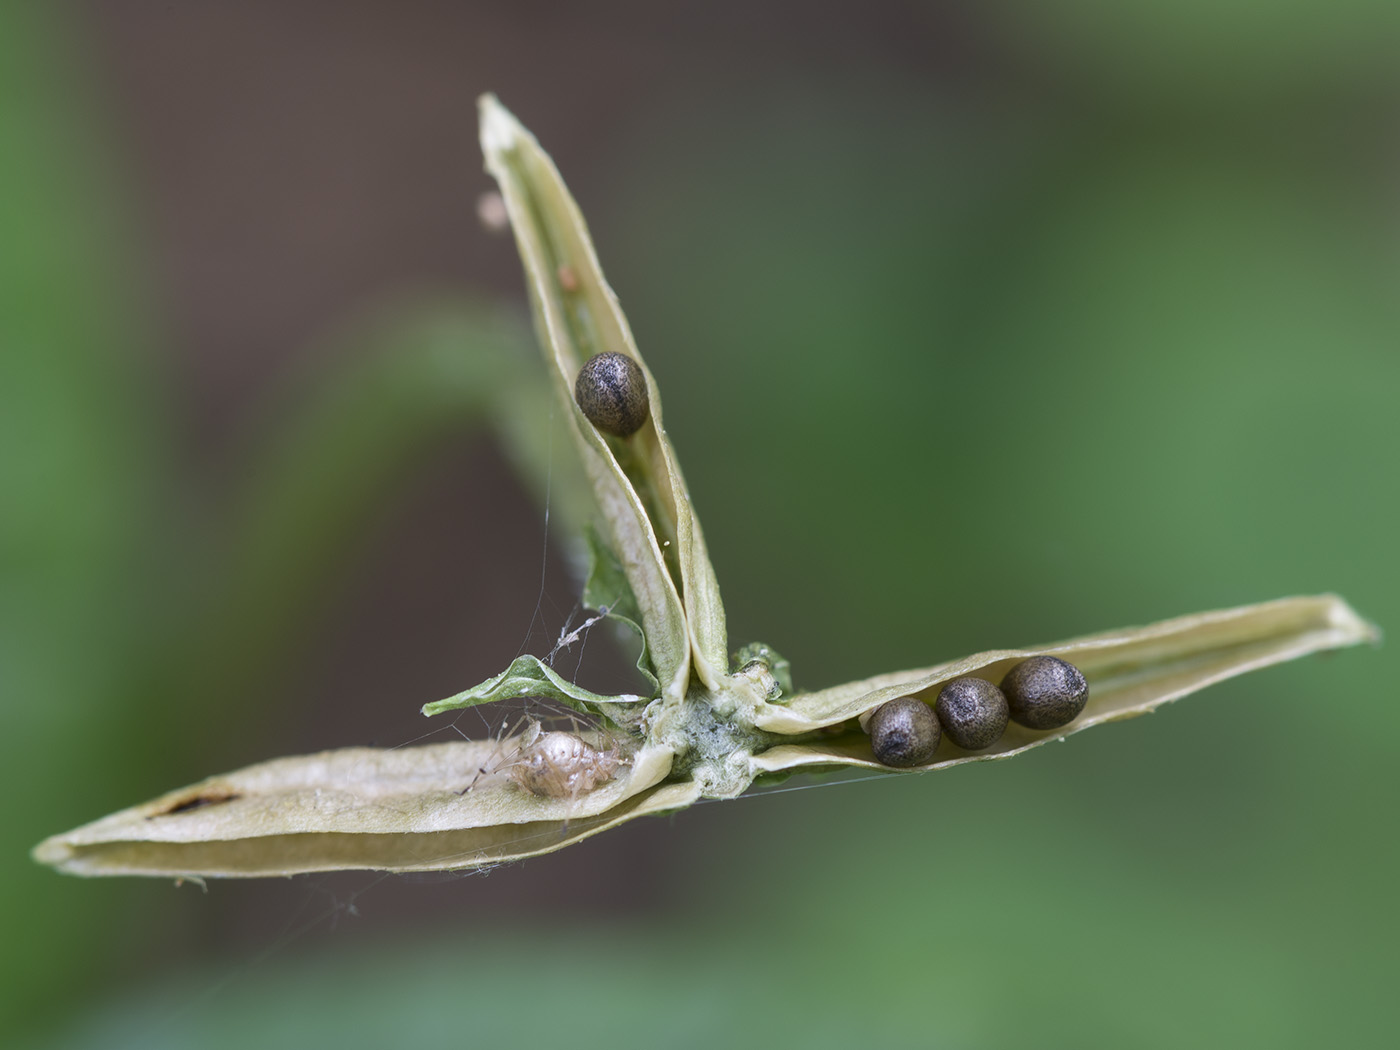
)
(1045, 692)
(209, 796)
(611, 391)
(903, 732)
(972, 711)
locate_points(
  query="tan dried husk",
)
(429, 808)
(403, 809)
(1131, 672)
(578, 316)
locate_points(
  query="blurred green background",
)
(979, 325)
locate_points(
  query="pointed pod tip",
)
(499, 129)
(1353, 627)
(437, 707)
(52, 852)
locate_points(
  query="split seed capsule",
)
(612, 393)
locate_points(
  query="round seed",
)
(903, 732)
(612, 392)
(972, 712)
(1045, 692)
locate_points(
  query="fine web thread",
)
(544, 545)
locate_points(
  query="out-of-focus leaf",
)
(81, 476)
(328, 450)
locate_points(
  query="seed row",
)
(1043, 692)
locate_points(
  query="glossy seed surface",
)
(972, 712)
(612, 392)
(1045, 692)
(904, 732)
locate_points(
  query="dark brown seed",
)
(903, 732)
(972, 712)
(612, 392)
(1045, 692)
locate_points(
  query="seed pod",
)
(972, 712)
(1045, 692)
(612, 392)
(903, 732)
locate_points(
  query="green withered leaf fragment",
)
(529, 676)
(606, 593)
(703, 731)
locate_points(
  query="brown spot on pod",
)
(210, 796)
